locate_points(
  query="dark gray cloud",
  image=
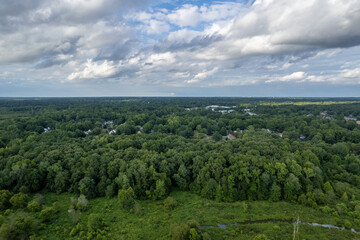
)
(191, 45)
(118, 51)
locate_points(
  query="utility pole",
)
(296, 227)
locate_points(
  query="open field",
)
(153, 221)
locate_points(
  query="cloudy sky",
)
(179, 48)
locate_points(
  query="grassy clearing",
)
(153, 220)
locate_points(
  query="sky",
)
(247, 48)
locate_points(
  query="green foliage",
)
(291, 187)
(175, 150)
(190, 230)
(19, 226)
(170, 203)
(87, 187)
(19, 200)
(180, 232)
(47, 214)
(193, 234)
(219, 197)
(95, 222)
(260, 237)
(209, 190)
(182, 177)
(34, 206)
(5, 196)
(74, 215)
(275, 193)
(126, 198)
(82, 203)
(327, 187)
(206, 236)
(160, 190)
(217, 136)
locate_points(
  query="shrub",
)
(74, 215)
(19, 200)
(260, 237)
(82, 203)
(73, 202)
(170, 203)
(180, 232)
(191, 230)
(126, 198)
(5, 196)
(206, 236)
(160, 190)
(347, 224)
(34, 206)
(47, 213)
(39, 198)
(95, 222)
(193, 234)
(2, 219)
(96, 227)
(19, 226)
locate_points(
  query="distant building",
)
(230, 136)
(358, 122)
(302, 138)
(87, 132)
(108, 124)
(350, 118)
(226, 111)
(113, 131)
(193, 108)
(212, 107)
(248, 111)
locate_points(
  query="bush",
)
(19, 200)
(34, 206)
(82, 203)
(160, 190)
(137, 209)
(206, 236)
(96, 227)
(73, 202)
(95, 222)
(74, 215)
(47, 213)
(275, 193)
(327, 209)
(39, 198)
(170, 203)
(2, 219)
(5, 196)
(126, 198)
(193, 234)
(191, 230)
(260, 237)
(180, 232)
(347, 224)
(19, 226)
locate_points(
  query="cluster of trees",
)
(159, 145)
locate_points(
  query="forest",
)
(68, 164)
